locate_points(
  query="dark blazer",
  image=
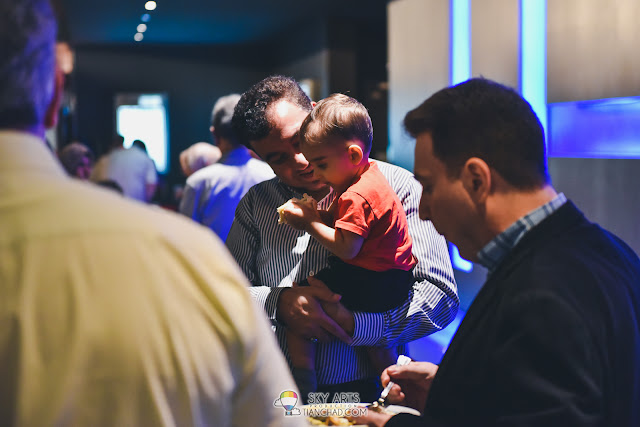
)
(552, 338)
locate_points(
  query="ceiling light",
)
(142, 28)
(145, 17)
(150, 5)
(138, 37)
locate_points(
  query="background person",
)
(212, 193)
(131, 168)
(198, 156)
(77, 160)
(268, 117)
(553, 336)
(112, 314)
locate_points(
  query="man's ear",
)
(51, 114)
(476, 179)
(355, 154)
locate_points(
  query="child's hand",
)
(300, 213)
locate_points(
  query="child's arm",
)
(304, 215)
(342, 243)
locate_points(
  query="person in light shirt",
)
(112, 313)
(212, 193)
(131, 168)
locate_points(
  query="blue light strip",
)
(458, 262)
(533, 56)
(460, 67)
(460, 16)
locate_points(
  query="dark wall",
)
(192, 77)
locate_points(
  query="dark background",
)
(196, 51)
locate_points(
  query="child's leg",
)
(381, 358)
(302, 353)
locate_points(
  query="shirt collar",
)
(494, 252)
(25, 152)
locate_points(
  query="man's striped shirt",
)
(273, 256)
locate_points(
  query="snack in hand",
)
(305, 199)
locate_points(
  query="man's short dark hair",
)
(27, 62)
(338, 116)
(141, 145)
(250, 119)
(484, 119)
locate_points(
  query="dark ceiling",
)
(214, 22)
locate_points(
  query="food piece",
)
(281, 219)
(339, 421)
(305, 199)
(329, 421)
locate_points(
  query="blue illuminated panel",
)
(533, 56)
(603, 128)
(460, 13)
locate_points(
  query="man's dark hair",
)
(27, 62)
(250, 119)
(221, 117)
(484, 119)
(337, 116)
(141, 145)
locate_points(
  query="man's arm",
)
(297, 308)
(151, 181)
(243, 242)
(434, 301)
(188, 201)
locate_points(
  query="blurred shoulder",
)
(400, 179)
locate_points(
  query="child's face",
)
(331, 164)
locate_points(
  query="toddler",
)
(365, 227)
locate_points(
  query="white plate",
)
(393, 409)
(401, 410)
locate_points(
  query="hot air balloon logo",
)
(288, 400)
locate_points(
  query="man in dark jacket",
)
(553, 337)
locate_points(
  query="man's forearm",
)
(429, 310)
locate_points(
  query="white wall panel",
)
(495, 40)
(418, 65)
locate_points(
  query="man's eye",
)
(295, 139)
(279, 160)
(321, 166)
(427, 189)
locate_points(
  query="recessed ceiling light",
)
(142, 28)
(138, 37)
(150, 5)
(145, 17)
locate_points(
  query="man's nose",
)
(300, 160)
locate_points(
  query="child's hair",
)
(338, 116)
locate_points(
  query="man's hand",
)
(335, 310)
(413, 382)
(299, 308)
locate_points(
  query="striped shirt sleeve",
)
(434, 302)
